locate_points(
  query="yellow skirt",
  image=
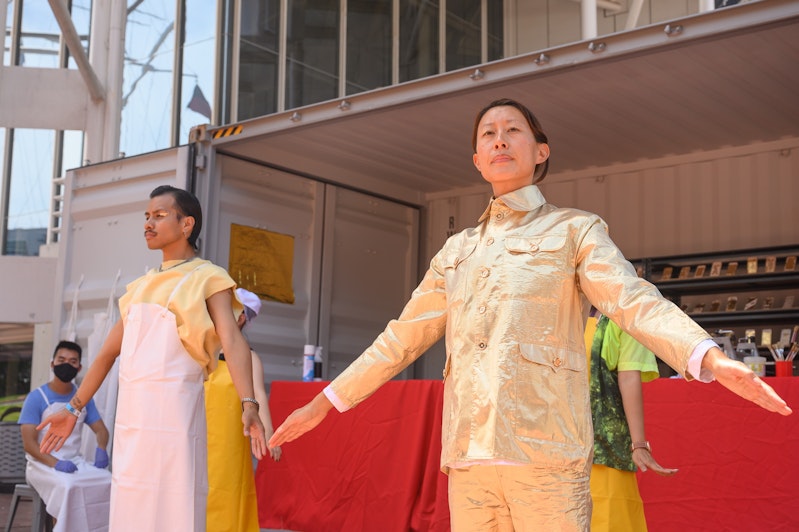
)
(232, 503)
(617, 502)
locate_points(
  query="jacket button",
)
(557, 362)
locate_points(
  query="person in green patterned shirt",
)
(619, 364)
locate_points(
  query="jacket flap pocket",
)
(455, 257)
(557, 359)
(522, 244)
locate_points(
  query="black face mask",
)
(65, 372)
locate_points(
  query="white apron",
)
(79, 500)
(159, 470)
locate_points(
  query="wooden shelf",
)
(730, 283)
(747, 317)
(767, 283)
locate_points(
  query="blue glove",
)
(65, 466)
(100, 458)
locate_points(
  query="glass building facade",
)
(192, 62)
(291, 53)
(31, 158)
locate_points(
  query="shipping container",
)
(683, 136)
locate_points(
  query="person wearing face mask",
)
(75, 492)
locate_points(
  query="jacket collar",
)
(524, 199)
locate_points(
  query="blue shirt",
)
(35, 405)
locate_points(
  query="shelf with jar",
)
(753, 287)
(750, 294)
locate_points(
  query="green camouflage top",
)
(613, 350)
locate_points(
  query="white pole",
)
(588, 13)
(706, 5)
(114, 71)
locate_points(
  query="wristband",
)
(640, 445)
(250, 400)
(72, 410)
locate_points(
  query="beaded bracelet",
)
(72, 410)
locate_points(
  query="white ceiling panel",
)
(722, 82)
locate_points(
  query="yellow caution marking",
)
(227, 131)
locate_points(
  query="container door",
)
(368, 272)
(353, 264)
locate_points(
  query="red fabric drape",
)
(373, 468)
(376, 467)
(739, 464)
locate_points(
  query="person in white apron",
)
(156, 370)
(74, 491)
(173, 322)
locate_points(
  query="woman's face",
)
(164, 227)
(507, 152)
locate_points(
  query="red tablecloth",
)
(376, 467)
(739, 465)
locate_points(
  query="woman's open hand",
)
(61, 425)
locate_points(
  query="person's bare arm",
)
(239, 362)
(30, 441)
(263, 412)
(62, 422)
(633, 400)
(101, 433)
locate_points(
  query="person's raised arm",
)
(420, 324)
(62, 422)
(609, 281)
(739, 379)
(632, 398)
(239, 361)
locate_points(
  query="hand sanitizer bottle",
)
(307, 363)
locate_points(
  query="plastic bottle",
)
(317, 363)
(756, 364)
(307, 363)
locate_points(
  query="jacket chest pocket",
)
(535, 246)
(537, 264)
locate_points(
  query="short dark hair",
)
(538, 132)
(187, 205)
(72, 346)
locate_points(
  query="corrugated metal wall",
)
(691, 204)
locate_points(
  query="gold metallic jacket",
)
(511, 296)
